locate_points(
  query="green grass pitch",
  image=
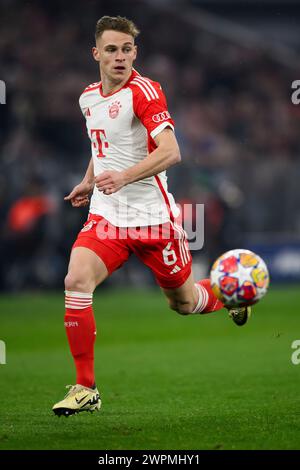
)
(167, 381)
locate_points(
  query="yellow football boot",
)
(78, 398)
(240, 315)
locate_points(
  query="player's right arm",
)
(79, 196)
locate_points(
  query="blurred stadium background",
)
(167, 382)
(226, 68)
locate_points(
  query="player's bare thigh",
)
(86, 271)
(183, 299)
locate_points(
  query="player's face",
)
(116, 52)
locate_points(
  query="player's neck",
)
(110, 86)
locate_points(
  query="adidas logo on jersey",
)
(175, 270)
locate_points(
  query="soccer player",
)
(131, 211)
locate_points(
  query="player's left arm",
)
(165, 155)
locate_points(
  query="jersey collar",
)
(134, 73)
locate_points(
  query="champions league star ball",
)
(239, 278)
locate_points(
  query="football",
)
(239, 277)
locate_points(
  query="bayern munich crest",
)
(114, 109)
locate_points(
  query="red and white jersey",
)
(122, 127)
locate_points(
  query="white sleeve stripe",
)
(160, 128)
(143, 89)
(137, 79)
(149, 87)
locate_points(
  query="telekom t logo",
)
(101, 141)
(2, 352)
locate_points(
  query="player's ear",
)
(96, 54)
(135, 52)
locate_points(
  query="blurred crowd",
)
(236, 125)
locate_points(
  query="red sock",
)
(210, 302)
(81, 332)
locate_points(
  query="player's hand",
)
(110, 181)
(79, 196)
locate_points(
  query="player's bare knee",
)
(77, 283)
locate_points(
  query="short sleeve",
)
(87, 97)
(150, 106)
